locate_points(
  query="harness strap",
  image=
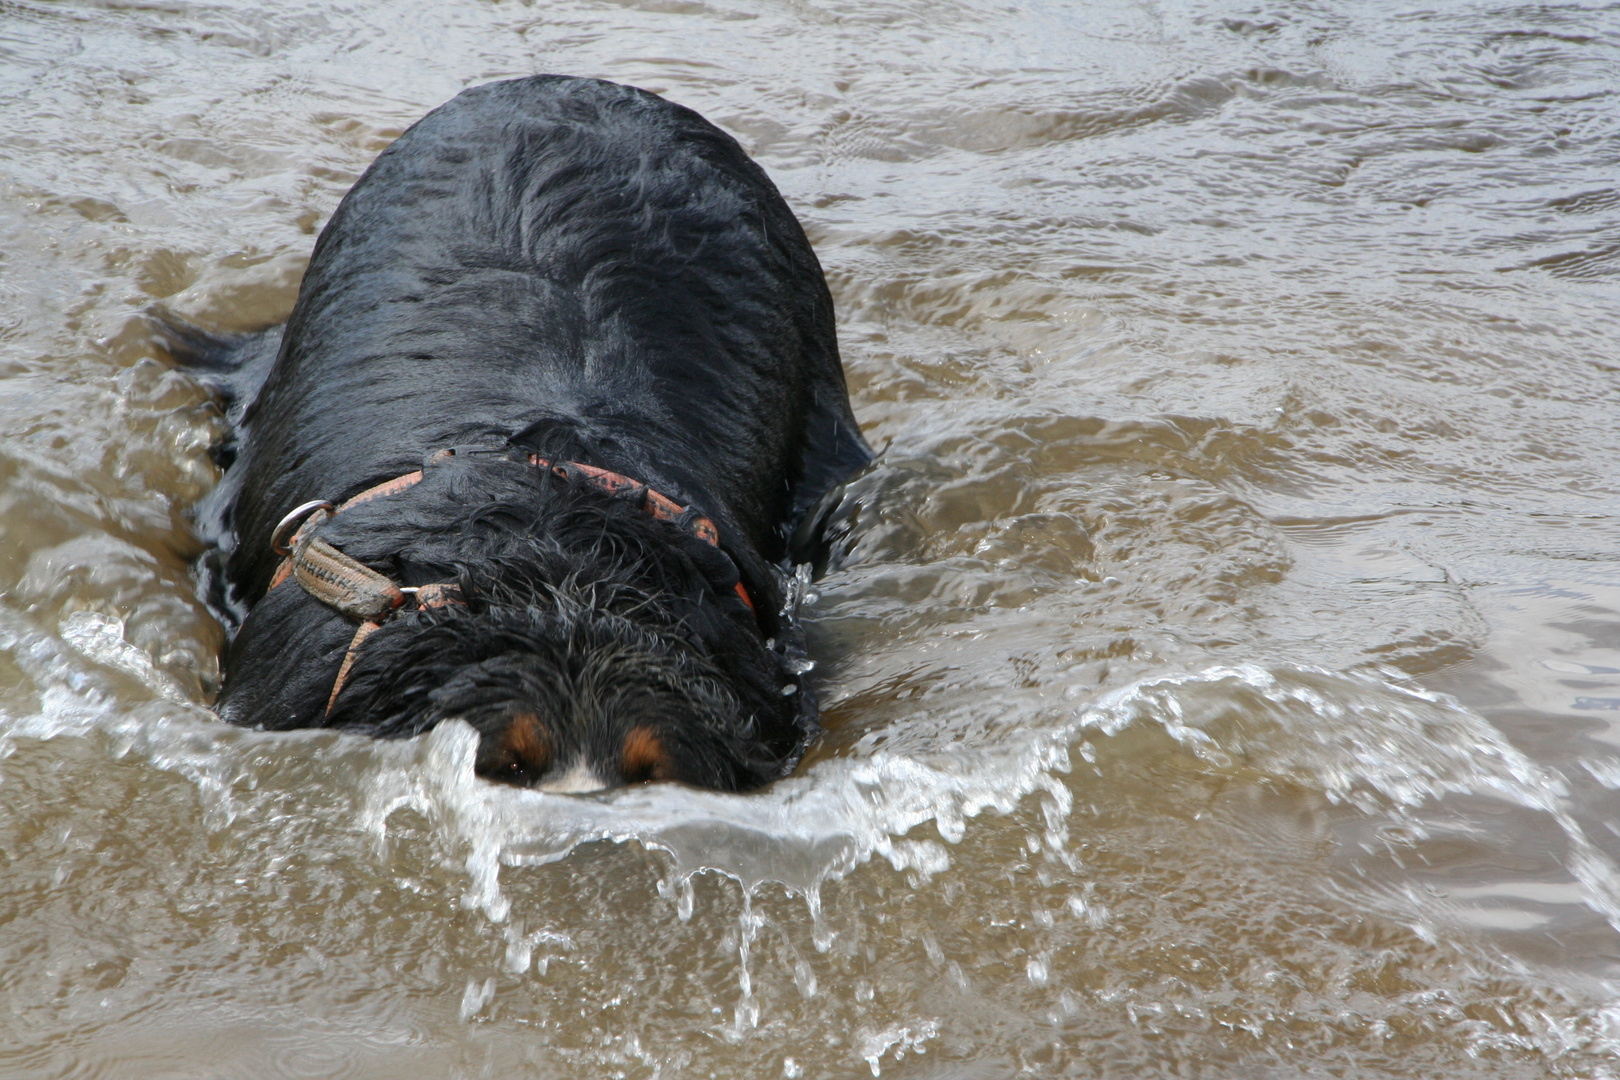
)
(341, 582)
(361, 632)
(659, 506)
(354, 589)
(427, 596)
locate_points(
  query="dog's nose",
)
(578, 780)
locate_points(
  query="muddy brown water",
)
(1226, 681)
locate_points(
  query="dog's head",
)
(570, 697)
(598, 647)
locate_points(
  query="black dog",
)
(563, 364)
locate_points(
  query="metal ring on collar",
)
(279, 538)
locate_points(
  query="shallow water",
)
(1226, 678)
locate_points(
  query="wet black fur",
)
(585, 271)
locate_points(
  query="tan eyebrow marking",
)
(527, 741)
(643, 757)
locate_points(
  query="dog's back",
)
(577, 258)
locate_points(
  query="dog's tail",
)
(193, 347)
(232, 366)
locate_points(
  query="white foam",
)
(75, 700)
(1357, 738)
(1362, 739)
(874, 1045)
(100, 638)
(1371, 741)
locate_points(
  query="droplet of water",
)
(476, 996)
(804, 978)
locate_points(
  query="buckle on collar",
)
(281, 539)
